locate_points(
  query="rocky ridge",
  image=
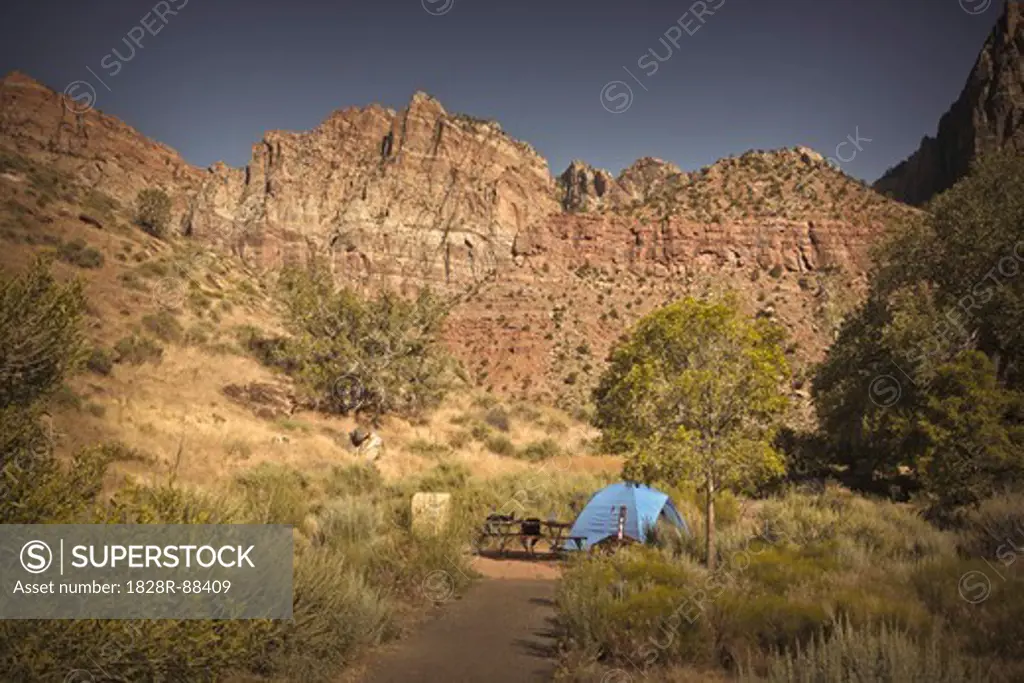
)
(550, 271)
(988, 116)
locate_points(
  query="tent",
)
(639, 506)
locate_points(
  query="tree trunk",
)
(709, 515)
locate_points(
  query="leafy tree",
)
(979, 262)
(943, 284)
(40, 335)
(40, 346)
(153, 211)
(972, 435)
(357, 355)
(695, 392)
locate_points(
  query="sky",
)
(574, 78)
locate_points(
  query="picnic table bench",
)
(500, 530)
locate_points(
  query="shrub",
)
(556, 426)
(527, 412)
(36, 488)
(350, 520)
(78, 253)
(335, 611)
(40, 335)
(164, 326)
(485, 401)
(445, 477)
(460, 439)
(199, 334)
(992, 525)
(275, 494)
(776, 271)
(845, 654)
(136, 350)
(153, 212)
(866, 529)
(100, 203)
(370, 356)
(353, 479)
(498, 418)
(100, 361)
(540, 450)
(500, 444)
(480, 431)
(765, 621)
(636, 607)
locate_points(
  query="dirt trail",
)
(501, 631)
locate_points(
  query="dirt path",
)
(501, 631)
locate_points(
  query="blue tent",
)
(643, 507)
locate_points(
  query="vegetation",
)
(356, 355)
(844, 654)
(923, 385)
(100, 361)
(153, 211)
(164, 326)
(357, 564)
(137, 349)
(78, 253)
(695, 393)
(807, 579)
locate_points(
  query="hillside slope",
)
(549, 272)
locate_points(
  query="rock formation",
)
(988, 115)
(548, 272)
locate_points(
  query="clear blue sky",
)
(756, 74)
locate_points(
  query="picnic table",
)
(499, 531)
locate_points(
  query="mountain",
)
(548, 271)
(988, 115)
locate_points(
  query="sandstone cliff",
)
(988, 115)
(549, 271)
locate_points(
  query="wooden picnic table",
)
(529, 533)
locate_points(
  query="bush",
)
(447, 476)
(335, 611)
(636, 608)
(353, 479)
(370, 356)
(153, 212)
(992, 525)
(275, 494)
(459, 439)
(41, 340)
(100, 361)
(842, 653)
(540, 450)
(78, 253)
(499, 444)
(136, 350)
(498, 418)
(351, 520)
(164, 326)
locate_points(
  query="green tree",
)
(972, 435)
(943, 283)
(695, 392)
(979, 259)
(153, 211)
(358, 355)
(41, 345)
